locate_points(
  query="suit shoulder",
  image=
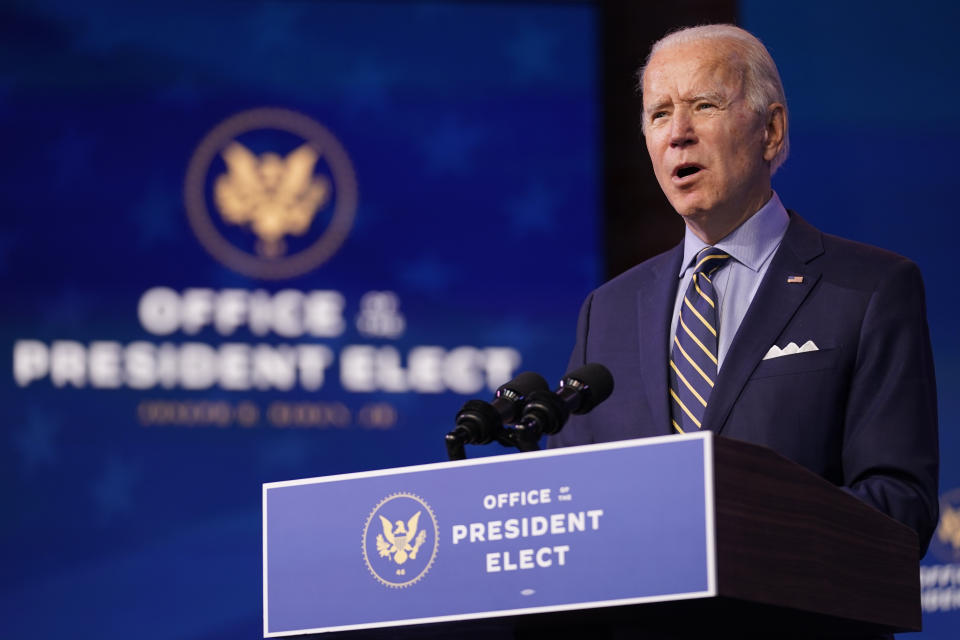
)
(862, 252)
(638, 276)
(863, 263)
(839, 255)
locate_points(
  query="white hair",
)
(761, 80)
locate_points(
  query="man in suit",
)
(758, 326)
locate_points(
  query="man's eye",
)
(705, 105)
(658, 114)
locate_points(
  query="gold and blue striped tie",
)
(693, 359)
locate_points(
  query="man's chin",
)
(688, 202)
(691, 209)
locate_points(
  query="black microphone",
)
(480, 422)
(580, 391)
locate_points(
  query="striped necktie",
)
(693, 361)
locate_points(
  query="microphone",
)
(480, 422)
(580, 391)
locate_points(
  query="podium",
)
(672, 535)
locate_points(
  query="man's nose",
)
(682, 133)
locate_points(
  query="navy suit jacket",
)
(861, 411)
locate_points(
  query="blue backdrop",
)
(471, 134)
(135, 442)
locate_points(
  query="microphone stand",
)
(454, 444)
(508, 437)
(515, 438)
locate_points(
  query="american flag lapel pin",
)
(795, 280)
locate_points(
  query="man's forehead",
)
(689, 70)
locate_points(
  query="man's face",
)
(706, 144)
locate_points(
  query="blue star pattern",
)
(35, 442)
(155, 215)
(533, 54)
(367, 86)
(112, 489)
(73, 150)
(281, 454)
(428, 274)
(450, 147)
(274, 25)
(70, 307)
(533, 211)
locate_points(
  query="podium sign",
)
(513, 534)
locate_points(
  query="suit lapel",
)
(775, 302)
(655, 307)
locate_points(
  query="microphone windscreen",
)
(597, 382)
(525, 383)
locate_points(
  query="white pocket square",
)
(790, 349)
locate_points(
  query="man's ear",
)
(773, 130)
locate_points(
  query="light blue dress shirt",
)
(751, 245)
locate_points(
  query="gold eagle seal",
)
(276, 196)
(400, 540)
(305, 192)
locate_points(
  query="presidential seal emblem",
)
(945, 544)
(270, 193)
(400, 540)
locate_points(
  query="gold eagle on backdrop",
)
(402, 541)
(276, 196)
(949, 530)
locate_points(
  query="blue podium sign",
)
(600, 525)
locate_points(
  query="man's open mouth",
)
(687, 170)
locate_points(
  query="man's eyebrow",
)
(709, 96)
(656, 106)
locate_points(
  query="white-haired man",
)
(758, 326)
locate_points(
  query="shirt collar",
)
(751, 243)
